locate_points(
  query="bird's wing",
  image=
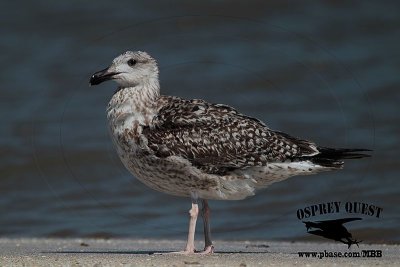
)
(339, 221)
(217, 139)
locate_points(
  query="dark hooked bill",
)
(101, 76)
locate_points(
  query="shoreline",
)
(145, 252)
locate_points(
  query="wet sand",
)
(139, 252)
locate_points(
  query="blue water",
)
(327, 72)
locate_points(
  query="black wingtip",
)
(333, 157)
(344, 153)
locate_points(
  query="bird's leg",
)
(205, 213)
(194, 211)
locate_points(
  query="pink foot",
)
(183, 252)
(187, 251)
(207, 250)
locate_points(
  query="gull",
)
(196, 149)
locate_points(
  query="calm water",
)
(326, 72)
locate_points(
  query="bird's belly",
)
(169, 176)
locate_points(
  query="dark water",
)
(327, 72)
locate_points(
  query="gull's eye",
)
(132, 62)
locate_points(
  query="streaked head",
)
(128, 70)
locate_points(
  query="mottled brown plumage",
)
(217, 139)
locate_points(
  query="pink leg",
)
(194, 212)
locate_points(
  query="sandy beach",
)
(139, 252)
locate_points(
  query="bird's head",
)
(129, 69)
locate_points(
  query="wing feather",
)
(217, 139)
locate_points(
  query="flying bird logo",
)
(333, 229)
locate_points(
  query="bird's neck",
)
(130, 108)
(144, 95)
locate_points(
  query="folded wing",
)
(217, 139)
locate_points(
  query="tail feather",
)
(333, 157)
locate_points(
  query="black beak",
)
(101, 76)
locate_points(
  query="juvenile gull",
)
(192, 148)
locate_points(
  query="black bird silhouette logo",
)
(333, 229)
